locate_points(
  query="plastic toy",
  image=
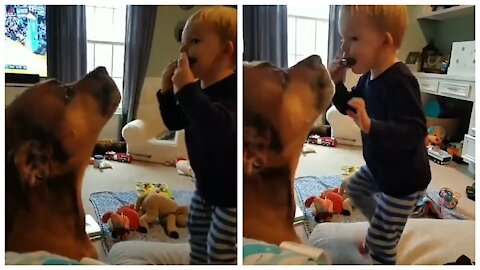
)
(143, 188)
(325, 141)
(439, 156)
(126, 219)
(470, 190)
(455, 149)
(100, 163)
(308, 149)
(122, 157)
(449, 198)
(184, 168)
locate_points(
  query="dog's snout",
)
(100, 71)
(103, 88)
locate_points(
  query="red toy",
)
(126, 219)
(330, 202)
(325, 141)
(122, 157)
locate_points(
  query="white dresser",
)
(457, 87)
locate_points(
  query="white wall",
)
(414, 39)
(164, 46)
(12, 92)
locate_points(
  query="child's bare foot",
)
(362, 248)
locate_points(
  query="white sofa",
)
(343, 128)
(424, 241)
(143, 134)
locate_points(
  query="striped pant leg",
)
(360, 190)
(222, 238)
(199, 222)
(387, 225)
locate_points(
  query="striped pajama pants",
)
(387, 215)
(213, 233)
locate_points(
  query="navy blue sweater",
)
(209, 117)
(394, 150)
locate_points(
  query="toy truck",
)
(439, 156)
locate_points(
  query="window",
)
(106, 40)
(307, 31)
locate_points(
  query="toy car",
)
(325, 141)
(439, 156)
(122, 157)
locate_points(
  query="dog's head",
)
(280, 107)
(51, 129)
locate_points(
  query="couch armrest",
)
(135, 130)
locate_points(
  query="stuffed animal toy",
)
(435, 136)
(341, 204)
(184, 168)
(126, 219)
(157, 206)
(322, 209)
(455, 149)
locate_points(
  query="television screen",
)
(26, 39)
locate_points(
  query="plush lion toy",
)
(154, 206)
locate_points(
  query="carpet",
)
(109, 201)
(308, 186)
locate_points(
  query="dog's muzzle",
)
(105, 89)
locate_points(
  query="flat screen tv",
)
(25, 41)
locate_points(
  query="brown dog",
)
(51, 130)
(280, 107)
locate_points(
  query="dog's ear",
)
(34, 162)
(255, 147)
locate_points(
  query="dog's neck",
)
(39, 209)
(273, 221)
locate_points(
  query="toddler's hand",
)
(361, 117)
(183, 75)
(167, 75)
(337, 72)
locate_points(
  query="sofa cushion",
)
(424, 241)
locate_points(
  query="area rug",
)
(308, 186)
(109, 201)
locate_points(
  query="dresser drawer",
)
(454, 89)
(468, 150)
(429, 86)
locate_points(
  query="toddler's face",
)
(361, 41)
(203, 47)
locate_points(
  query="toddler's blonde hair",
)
(387, 18)
(223, 20)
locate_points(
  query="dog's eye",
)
(195, 40)
(284, 76)
(69, 93)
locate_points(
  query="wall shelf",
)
(449, 13)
